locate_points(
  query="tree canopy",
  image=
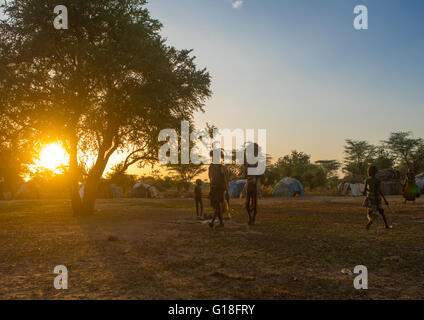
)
(110, 82)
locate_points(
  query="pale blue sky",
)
(299, 69)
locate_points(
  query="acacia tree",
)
(407, 151)
(185, 173)
(359, 155)
(330, 168)
(109, 82)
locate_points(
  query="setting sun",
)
(52, 157)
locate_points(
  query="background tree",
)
(119, 177)
(16, 149)
(383, 158)
(185, 173)
(407, 151)
(294, 165)
(330, 168)
(359, 155)
(110, 82)
(298, 165)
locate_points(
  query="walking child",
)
(373, 193)
(218, 177)
(252, 186)
(410, 190)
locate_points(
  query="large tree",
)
(406, 150)
(298, 165)
(110, 82)
(359, 155)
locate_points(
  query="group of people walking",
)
(219, 192)
(220, 199)
(374, 195)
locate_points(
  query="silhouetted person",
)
(198, 198)
(409, 187)
(373, 201)
(218, 182)
(227, 202)
(252, 185)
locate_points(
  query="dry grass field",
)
(155, 249)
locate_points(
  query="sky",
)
(299, 69)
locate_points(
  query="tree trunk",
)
(91, 188)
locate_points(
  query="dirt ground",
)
(155, 249)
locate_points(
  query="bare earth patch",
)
(155, 249)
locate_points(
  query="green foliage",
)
(383, 158)
(400, 151)
(185, 173)
(109, 83)
(408, 152)
(297, 165)
(330, 167)
(121, 179)
(359, 155)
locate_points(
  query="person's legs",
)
(248, 198)
(381, 211)
(218, 207)
(219, 214)
(227, 202)
(201, 206)
(255, 205)
(217, 199)
(370, 219)
(214, 217)
(197, 206)
(215, 205)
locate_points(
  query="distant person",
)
(410, 190)
(227, 207)
(252, 186)
(198, 198)
(226, 204)
(218, 183)
(373, 193)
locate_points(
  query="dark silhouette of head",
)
(255, 148)
(372, 171)
(211, 154)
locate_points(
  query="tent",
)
(419, 180)
(105, 191)
(351, 189)
(288, 187)
(390, 181)
(236, 188)
(28, 190)
(143, 190)
(391, 187)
